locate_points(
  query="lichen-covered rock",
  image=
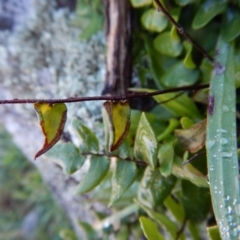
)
(42, 57)
(46, 59)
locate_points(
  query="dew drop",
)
(222, 130)
(226, 154)
(225, 108)
(223, 141)
(230, 218)
(235, 231)
(235, 201)
(229, 209)
(211, 168)
(227, 198)
(210, 143)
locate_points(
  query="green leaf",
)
(67, 234)
(122, 178)
(194, 230)
(221, 144)
(179, 104)
(230, 27)
(186, 122)
(89, 232)
(178, 75)
(165, 158)
(206, 70)
(145, 147)
(52, 118)
(165, 44)
(116, 118)
(201, 96)
(154, 61)
(153, 20)
(154, 188)
(175, 208)
(213, 233)
(188, 172)
(196, 201)
(97, 171)
(163, 221)
(140, 3)
(174, 32)
(207, 11)
(175, 13)
(193, 138)
(188, 61)
(150, 229)
(94, 25)
(184, 2)
(89, 141)
(67, 156)
(102, 193)
(173, 124)
(123, 233)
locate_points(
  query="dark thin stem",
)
(170, 99)
(194, 157)
(103, 98)
(182, 31)
(138, 162)
(180, 231)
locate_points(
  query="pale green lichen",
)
(44, 58)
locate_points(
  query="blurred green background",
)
(27, 209)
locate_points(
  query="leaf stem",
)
(138, 162)
(103, 98)
(180, 231)
(182, 31)
(194, 157)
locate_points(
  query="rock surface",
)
(42, 57)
